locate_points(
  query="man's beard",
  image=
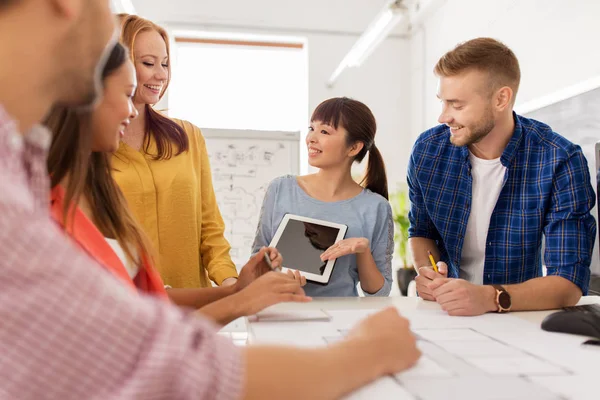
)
(477, 133)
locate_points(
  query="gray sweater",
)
(367, 215)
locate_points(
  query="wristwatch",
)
(503, 301)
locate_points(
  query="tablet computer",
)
(302, 240)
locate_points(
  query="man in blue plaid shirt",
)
(486, 185)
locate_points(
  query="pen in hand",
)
(433, 264)
(268, 261)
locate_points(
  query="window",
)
(235, 84)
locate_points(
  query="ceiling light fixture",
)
(377, 31)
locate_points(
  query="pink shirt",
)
(68, 329)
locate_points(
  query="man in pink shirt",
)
(67, 330)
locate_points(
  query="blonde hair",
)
(485, 55)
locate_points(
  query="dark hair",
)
(166, 132)
(486, 55)
(358, 120)
(5, 3)
(115, 60)
(90, 173)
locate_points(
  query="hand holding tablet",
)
(295, 275)
(301, 241)
(345, 247)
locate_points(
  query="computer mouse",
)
(574, 322)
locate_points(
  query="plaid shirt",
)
(546, 191)
(68, 329)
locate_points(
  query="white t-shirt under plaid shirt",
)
(68, 330)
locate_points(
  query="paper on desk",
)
(516, 366)
(238, 325)
(571, 387)
(492, 356)
(478, 387)
(426, 319)
(304, 334)
(383, 388)
(290, 316)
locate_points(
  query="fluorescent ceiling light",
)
(123, 6)
(377, 31)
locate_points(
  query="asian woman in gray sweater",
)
(342, 132)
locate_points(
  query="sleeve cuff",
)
(383, 292)
(577, 274)
(222, 273)
(421, 234)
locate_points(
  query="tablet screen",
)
(302, 243)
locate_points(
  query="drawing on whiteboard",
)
(242, 168)
(238, 161)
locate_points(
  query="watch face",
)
(504, 300)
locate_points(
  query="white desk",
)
(573, 382)
(402, 303)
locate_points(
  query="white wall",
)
(331, 28)
(556, 42)
(382, 83)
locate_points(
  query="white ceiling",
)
(339, 16)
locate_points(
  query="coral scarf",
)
(90, 239)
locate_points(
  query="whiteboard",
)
(243, 162)
(577, 119)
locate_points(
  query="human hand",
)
(426, 276)
(297, 276)
(269, 289)
(460, 297)
(257, 266)
(391, 339)
(345, 247)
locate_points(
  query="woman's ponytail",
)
(375, 178)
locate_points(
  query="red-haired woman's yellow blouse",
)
(174, 200)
